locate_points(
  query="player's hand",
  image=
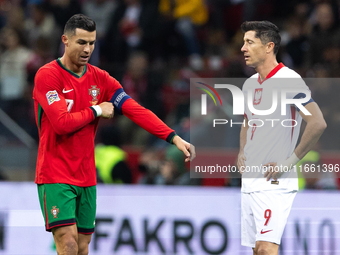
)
(272, 172)
(107, 110)
(241, 162)
(187, 148)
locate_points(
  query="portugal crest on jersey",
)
(55, 211)
(257, 96)
(94, 92)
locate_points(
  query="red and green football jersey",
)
(67, 124)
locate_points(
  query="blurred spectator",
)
(110, 158)
(132, 27)
(149, 164)
(168, 173)
(42, 23)
(176, 94)
(5, 7)
(144, 86)
(215, 54)
(174, 169)
(13, 74)
(100, 11)
(297, 29)
(236, 66)
(16, 18)
(62, 10)
(227, 16)
(185, 17)
(165, 170)
(42, 54)
(325, 37)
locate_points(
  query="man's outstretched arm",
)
(151, 123)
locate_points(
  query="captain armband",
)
(118, 99)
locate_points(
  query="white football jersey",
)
(271, 137)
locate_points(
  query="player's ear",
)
(270, 47)
(64, 39)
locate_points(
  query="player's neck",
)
(70, 66)
(265, 68)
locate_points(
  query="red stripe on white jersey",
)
(293, 112)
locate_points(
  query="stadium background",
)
(154, 47)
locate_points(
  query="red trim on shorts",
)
(86, 233)
(47, 225)
(60, 225)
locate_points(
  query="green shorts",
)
(64, 204)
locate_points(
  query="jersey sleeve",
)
(147, 120)
(299, 91)
(117, 95)
(112, 85)
(48, 93)
(143, 117)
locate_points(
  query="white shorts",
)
(264, 215)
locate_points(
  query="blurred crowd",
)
(154, 47)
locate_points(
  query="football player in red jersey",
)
(69, 96)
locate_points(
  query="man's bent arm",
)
(314, 129)
(63, 122)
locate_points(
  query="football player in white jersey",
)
(268, 142)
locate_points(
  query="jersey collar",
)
(272, 72)
(72, 73)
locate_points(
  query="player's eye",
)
(91, 43)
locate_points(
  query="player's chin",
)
(249, 63)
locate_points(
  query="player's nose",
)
(87, 48)
(244, 49)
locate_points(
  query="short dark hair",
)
(79, 21)
(265, 30)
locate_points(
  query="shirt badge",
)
(52, 96)
(94, 92)
(257, 96)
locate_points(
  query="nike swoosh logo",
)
(66, 91)
(263, 232)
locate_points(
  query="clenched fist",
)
(107, 110)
